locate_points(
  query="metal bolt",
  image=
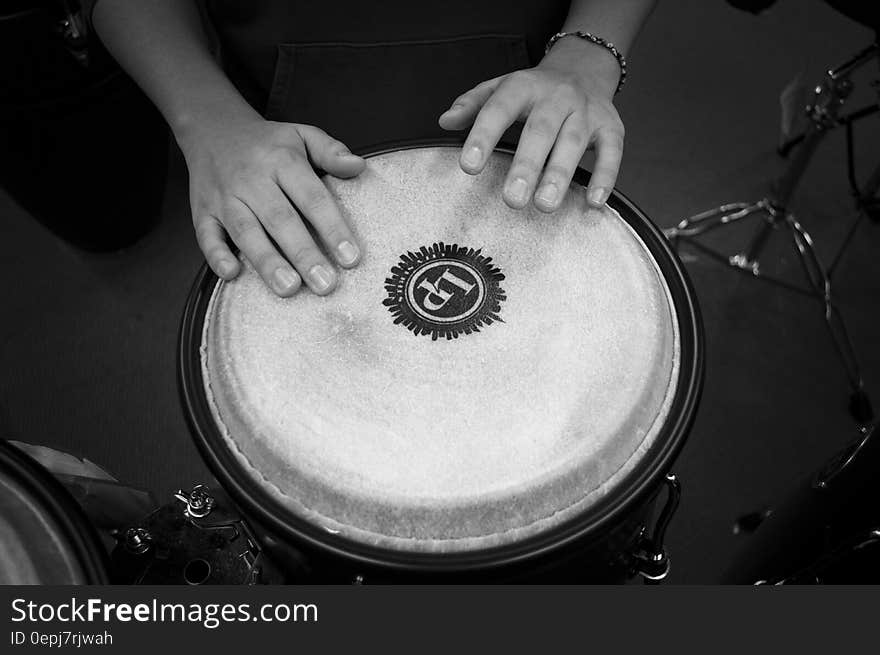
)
(137, 540)
(199, 502)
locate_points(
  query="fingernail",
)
(285, 279)
(518, 190)
(321, 278)
(226, 267)
(348, 252)
(472, 157)
(548, 193)
(453, 108)
(598, 195)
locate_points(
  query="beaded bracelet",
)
(598, 40)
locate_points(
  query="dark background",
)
(87, 341)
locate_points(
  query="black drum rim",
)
(636, 488)
(63, 510)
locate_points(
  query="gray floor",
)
(87, 344)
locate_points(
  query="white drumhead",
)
(448, 397)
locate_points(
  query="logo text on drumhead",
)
(444, 290)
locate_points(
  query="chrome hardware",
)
(843, 459)
(199, 502)
(651, 560)
(137, 540)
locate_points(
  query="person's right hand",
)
(254, 180)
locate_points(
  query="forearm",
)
(162, 45)
(617, 21)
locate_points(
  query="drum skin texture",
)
(484, 375)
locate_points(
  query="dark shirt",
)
(375, 72)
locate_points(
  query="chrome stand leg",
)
(714, 218)
(818, 278)
(816, 274)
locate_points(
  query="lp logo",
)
(445, 291)
(436, 291)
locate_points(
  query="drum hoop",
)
(636, 487)
(63, 510)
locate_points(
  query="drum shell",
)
(595, 547)
(65, 549)
(602, 558)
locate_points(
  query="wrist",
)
(196, 124)
(592, 65)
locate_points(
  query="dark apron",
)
(374, 74)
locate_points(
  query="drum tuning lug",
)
(199, 502)
(137, 540)
(655, 569)
(652, 561)
(357, 580)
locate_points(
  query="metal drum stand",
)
(824, 114)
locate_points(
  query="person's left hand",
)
(565, 113)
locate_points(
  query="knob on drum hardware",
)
(137, 540)
(199, 502)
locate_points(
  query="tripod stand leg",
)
(860, 404)
(713, 218)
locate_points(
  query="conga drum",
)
(492, 394)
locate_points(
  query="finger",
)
(286, 227)
(609, 152)
(248, 234)
(570, 146)
(465, 107)
(212, 240)
(537, 138)
(319, 207)
(329, 154)
(497, 114)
